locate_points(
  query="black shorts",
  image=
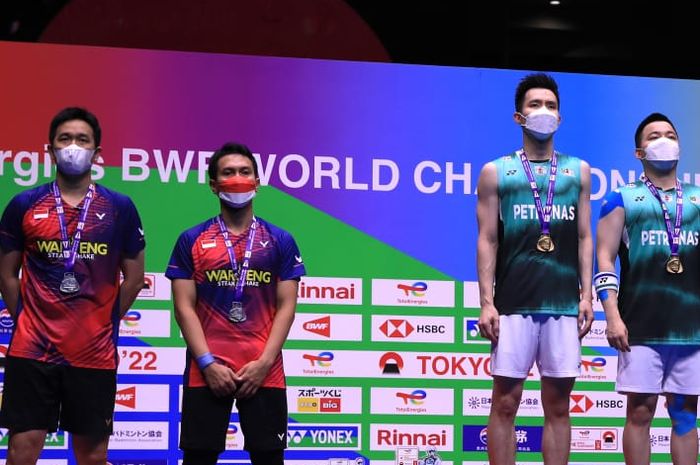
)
(38, 395)
(205, 419)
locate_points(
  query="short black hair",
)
(652, 118)
(72, 113)
(535, 81)
(230, 148)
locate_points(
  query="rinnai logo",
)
(416, 397)
(337, 291)
(393, 437)
(321, 326)
(396, 328)
(389, 437)
(126, 397)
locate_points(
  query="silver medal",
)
(237, 314)
(69, 284)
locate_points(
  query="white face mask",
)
(662, 154)
(73, 160)
(236, 200)
(541, 123)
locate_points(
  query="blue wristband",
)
(205, 360)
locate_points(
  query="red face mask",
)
(237, 192)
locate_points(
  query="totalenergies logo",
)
(417, 289)
(323, 359)
(5, 317)
(132, 318)
(231, 431)
(416, 397)
(595, 365)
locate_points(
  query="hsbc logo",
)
(126, 397)
(581, 403)
(396, 328)
(320, 326)
(593, 406)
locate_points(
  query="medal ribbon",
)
(673, 232)
(70, 251)
(240, 284)
(543, 214)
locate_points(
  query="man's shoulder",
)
(193, 232)
(31, 196)
(274, 230)
(115, 197)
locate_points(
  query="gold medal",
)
(545, 243)
(674, 265)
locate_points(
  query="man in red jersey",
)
(235, 279)
(71, 238)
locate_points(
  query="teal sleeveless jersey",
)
(529, 281)
(659, 307)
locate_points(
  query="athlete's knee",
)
(684, 421)
(640, 409)
(26, 445)
(505, 406)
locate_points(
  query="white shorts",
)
(551, 341)
(657, 369)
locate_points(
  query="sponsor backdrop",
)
(373, 168)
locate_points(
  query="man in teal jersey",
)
(653, 315)
(535, 244)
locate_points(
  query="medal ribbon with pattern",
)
(240, 283)
(70, 251)
(673, 232)
(544, 215)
